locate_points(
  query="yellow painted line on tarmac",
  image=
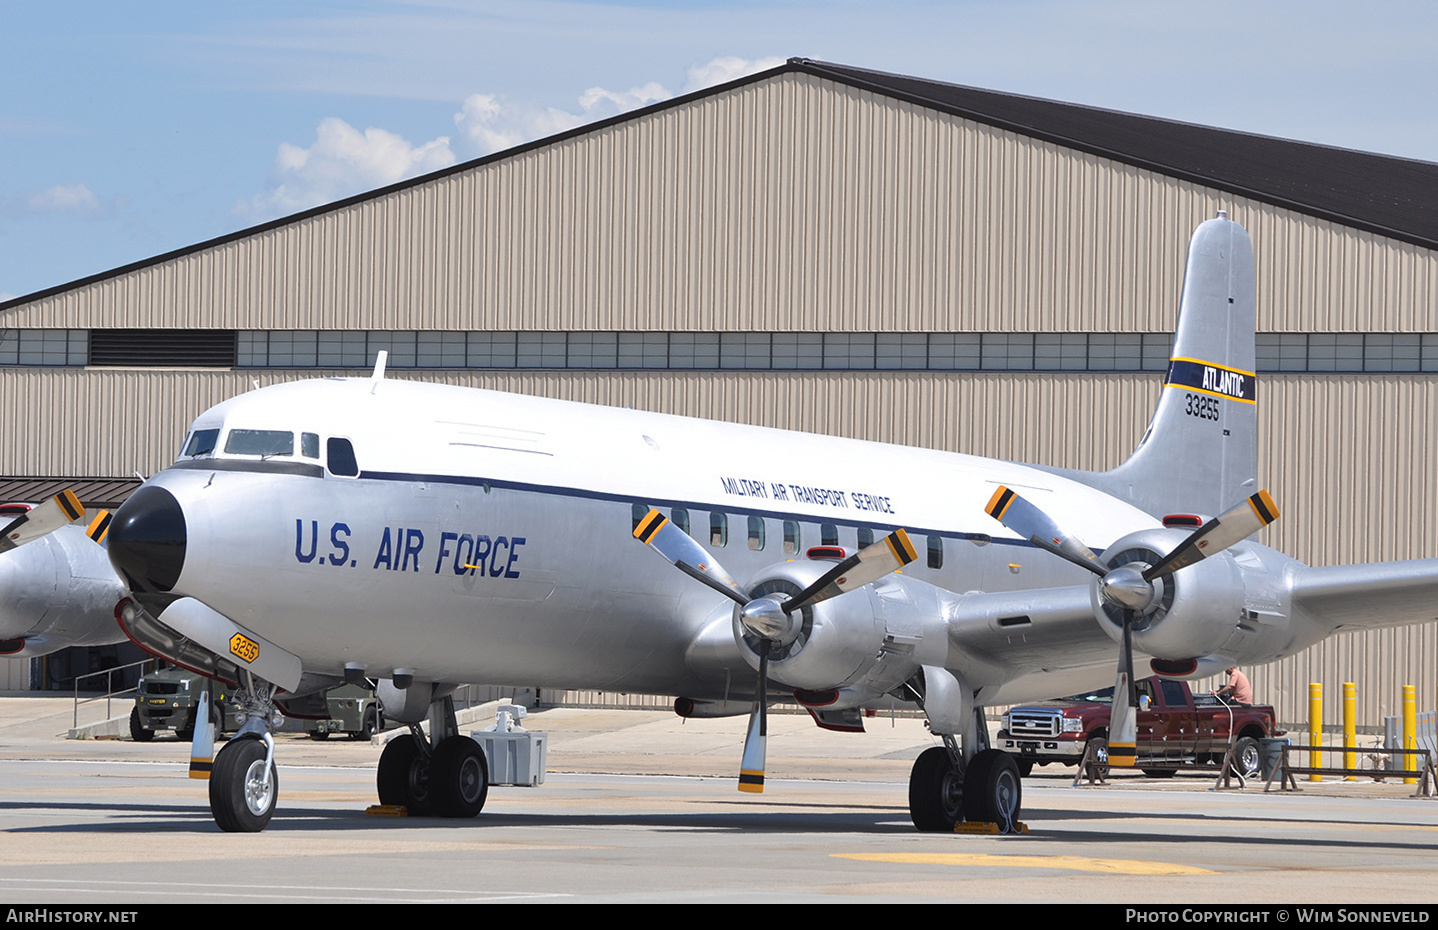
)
(1074, 863)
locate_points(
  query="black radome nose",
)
(147, 540)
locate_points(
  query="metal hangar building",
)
(824, 248)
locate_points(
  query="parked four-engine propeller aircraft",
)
(424, 535)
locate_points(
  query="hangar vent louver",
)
(163, 348)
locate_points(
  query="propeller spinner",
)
(1130, 589)
(773, 618)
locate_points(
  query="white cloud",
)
(63, 198)
(726, 68)
(341, 162)
(491, 123)
(344, 161)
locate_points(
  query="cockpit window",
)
(310, 445)
(341, 458)
(260, 442)
(202, 442)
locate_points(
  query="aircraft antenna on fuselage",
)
(378, 375)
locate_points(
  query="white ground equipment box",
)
(515, 755)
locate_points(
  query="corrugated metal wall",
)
(798, 204)
(788, 205)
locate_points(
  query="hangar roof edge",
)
(1383, 194)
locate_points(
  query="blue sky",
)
(128, 129)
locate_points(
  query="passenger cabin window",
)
(791, 537)
(202, 442)
(680, 518)
(828, 534)
(718, 530)
(310, 445)
(265, 442)
(866, 537)
(341, 456)
(756, 533)
(936, 552)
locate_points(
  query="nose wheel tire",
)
(459, 777)
(935, 792)
(241, 799)
(404, 777)
(993, 790)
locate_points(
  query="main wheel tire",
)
(403, 777)
(138, 733)
(935, 792)
(1245, 757)
(239, 799)
(993, 790)
(1099, 744)
(458, 777)
(1160, 773)
(319, 734)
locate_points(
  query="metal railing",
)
(110, 692)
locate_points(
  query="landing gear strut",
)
(448, 779)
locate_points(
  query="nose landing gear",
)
(244, 784)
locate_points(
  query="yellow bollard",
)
(1410, 731)
(1315, 727)
(1350, 727)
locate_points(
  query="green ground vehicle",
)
(353, 710)
(168, 699)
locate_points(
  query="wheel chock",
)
(386, 810)
(977, 828)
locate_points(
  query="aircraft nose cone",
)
(147, 540)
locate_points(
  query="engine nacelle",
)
(55, 592)
(835, 642)
(1195, 610)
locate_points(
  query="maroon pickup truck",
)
(1175, 728)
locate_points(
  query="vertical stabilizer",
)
(1200, 451)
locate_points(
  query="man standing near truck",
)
(1237, 688)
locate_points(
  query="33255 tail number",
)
(1205, 408)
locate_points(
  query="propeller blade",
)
(61, 510)
(756, 740)
(1007, 507)
(866, 566)
(202, 747)
(1123, 722)
(1218, 534)
(659, 534)
(99, 528)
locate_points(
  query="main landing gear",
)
(943, 791)
(964, 779)
(449, 778)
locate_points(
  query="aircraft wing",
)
(1376, 594)
(1037, 628)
